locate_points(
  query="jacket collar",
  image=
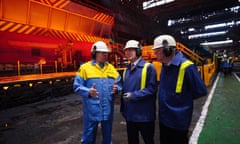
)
(177, 59)
(95, 63)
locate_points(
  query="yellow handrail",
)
(193, 56)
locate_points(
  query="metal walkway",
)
(219, 121)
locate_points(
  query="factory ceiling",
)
(198, 24)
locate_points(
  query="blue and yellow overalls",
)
(99, 109)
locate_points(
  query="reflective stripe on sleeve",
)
(144, 75)
(181, 74)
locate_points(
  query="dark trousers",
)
(146, 129)
(172, 136)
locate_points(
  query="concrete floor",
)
(59, 121)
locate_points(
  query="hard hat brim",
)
(107, 51)
(154, 48)
(130, 48)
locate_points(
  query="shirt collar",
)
(139, 62)
(136, 62)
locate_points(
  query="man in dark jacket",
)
(180, 84)
(139, 95)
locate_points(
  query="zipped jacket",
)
(142, 105)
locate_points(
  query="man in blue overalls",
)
(180, 84)
(97, 82)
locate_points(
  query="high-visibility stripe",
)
(124, 74)
(181, 74)
(144, 75)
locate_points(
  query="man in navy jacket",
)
(180, 84)
(138, 104)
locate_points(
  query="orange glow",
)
(42, 61)
(31, 44)
(35, 29)
(60, 15)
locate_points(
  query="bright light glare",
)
(219, 25)
(153, 3)
(191, 29)
(238, 22)
(215, 26)
(216, 43)
(194, 36)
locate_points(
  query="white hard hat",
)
(132, 44)
(163, 41)
(100, 46)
